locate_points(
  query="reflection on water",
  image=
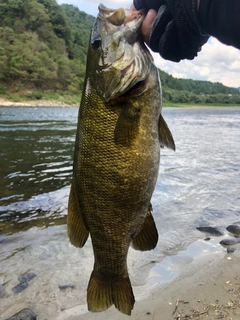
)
(36, 159)
(198, 185)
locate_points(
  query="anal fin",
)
(147, 237)
(77, 230)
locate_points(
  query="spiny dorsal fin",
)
(165, 136)
(77, 230)
(147, 237)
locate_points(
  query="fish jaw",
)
(117, 58)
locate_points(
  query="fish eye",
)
(96, 43)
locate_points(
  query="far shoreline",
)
(56, 103)
(35, 103)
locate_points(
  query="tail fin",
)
(102, 293)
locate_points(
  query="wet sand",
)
(207, 288)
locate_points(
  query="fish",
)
(117, 152)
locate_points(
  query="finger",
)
(132, 7)
(147, 24)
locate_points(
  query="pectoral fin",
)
(127, 125)
(147, 237)
(77, 230)
(165, 136)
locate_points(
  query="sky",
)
(216, 62)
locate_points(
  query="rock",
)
(229, 242)
(230, 249)
(207, 239)
(26, 277)
(66, 286)
(23, 279)
(19, 287)
(211, 230)
(234, 229)
(25, 314)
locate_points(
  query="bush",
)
(3, 89)
(35, 95)
(14, 97)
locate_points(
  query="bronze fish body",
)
(117, 153)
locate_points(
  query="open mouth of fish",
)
(125, 61)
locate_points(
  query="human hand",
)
(174, 31)
(147, 23)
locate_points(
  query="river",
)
(198, 185)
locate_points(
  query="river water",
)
(198, 185)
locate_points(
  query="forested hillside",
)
(196, 92)
(43, 48)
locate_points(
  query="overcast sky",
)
(216, 62)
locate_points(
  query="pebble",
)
(234, 229)
(211, 230)
(66, 286)
(229, 242)
(19, 287)
(26, 277)
(25, 314)
(230, 249)
(23, 282)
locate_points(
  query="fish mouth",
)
(121, 16)
(133, 77)
(122, 59)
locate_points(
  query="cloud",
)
(216, 62)
(91, 6)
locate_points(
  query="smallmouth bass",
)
(117, 154)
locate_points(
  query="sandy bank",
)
(207, 288)
(35, 103)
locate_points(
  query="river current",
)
(198, 185)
